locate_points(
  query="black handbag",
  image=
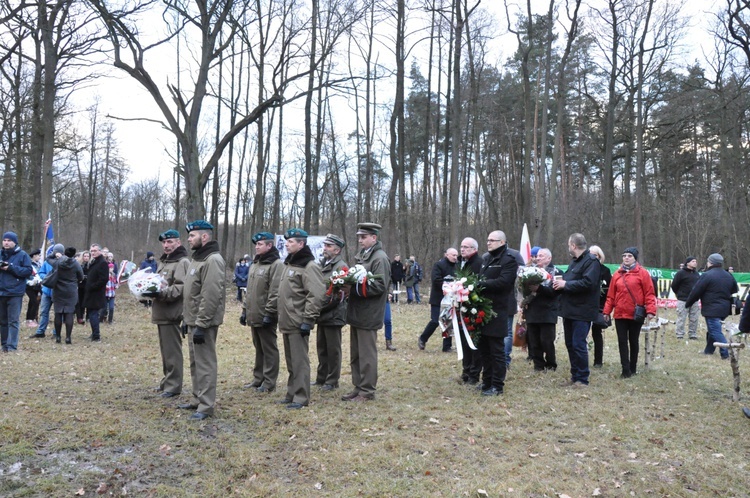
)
(50, 280)
(639, 316)
(602, 322)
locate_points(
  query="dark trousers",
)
(492, 350)
(67, 319)
(541, 340)
(598, 337)
(32, 311)
(432, 325)
(94, 322)
(628, 333)
(472, 362)
(576, 332)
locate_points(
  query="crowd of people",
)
(297, 295)
(77, 287)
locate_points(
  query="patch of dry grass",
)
(86, 417)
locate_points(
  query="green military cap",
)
(261, 236)
(368, 228)
(169, 234)
(295, 233)
(332, 239)
(199, 225)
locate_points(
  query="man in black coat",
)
(498, 275)
(682, 283)
(472, 362)
(397, 276)
(96, 284)
(714, 289)
(579, 306)
(443, 268)
(541, 317)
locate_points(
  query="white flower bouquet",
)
(145, 283)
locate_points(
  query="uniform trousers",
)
(170, 346)
(364, 360)
(266, 368)
(204, 370)
(328, 343)
(296, 352)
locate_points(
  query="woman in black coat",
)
(596, 330)
(65, 292)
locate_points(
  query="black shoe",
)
(471, 382)
(328, 387)
(295, 406)
(187, 406)
(166, 394)
(67, 340)
(492, 391)
(420, 344)
(199, 416)
(264, 389)
(746, 411)
(57, 339)
(597, 365)
(284, 401)
(36, 336)
(253, 385)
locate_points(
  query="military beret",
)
(332, 239)
(368, 228)
(169, 234)
(535, 250)
(261, 236)
(199, 225)
(295, 233)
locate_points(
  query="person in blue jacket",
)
(15, 269)
(241, 270)
(149, 262)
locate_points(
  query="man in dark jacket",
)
(714, 289)
(332, 318)
(166, 311)
(397, 276)
(15, 268)
(579, 306)
(443, 268)
(472, 362)
(498, 275)
(96, 286)
(541, 317)
(682, 283)
(365, 312)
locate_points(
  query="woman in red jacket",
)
(631, 284)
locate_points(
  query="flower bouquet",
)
(337, 281)
(146, 282)
(529, 276)
(127, 268)
(464, 304)
(357, 275)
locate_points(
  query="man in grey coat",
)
(367, 300)
(204, 299)
(166, 311)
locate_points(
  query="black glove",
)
(150, 294)
(243, 319)
(267, 321)
(184, 330)
(199, 336)
(305, 329)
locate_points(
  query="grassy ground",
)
(84, 419)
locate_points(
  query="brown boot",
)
(389, 345)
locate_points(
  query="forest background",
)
(323, 113)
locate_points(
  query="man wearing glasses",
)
(498, 273)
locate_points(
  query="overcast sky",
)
(143, 144)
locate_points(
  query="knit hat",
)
(633, 251)
(716, 259)
(11, 236)
(35, 252)
(689, 259)
(149, 254)
(58, 248)
(70, 252)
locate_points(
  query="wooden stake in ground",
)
(653, 325)
(734, 357)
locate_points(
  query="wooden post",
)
(653, 325)
(734, 362)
